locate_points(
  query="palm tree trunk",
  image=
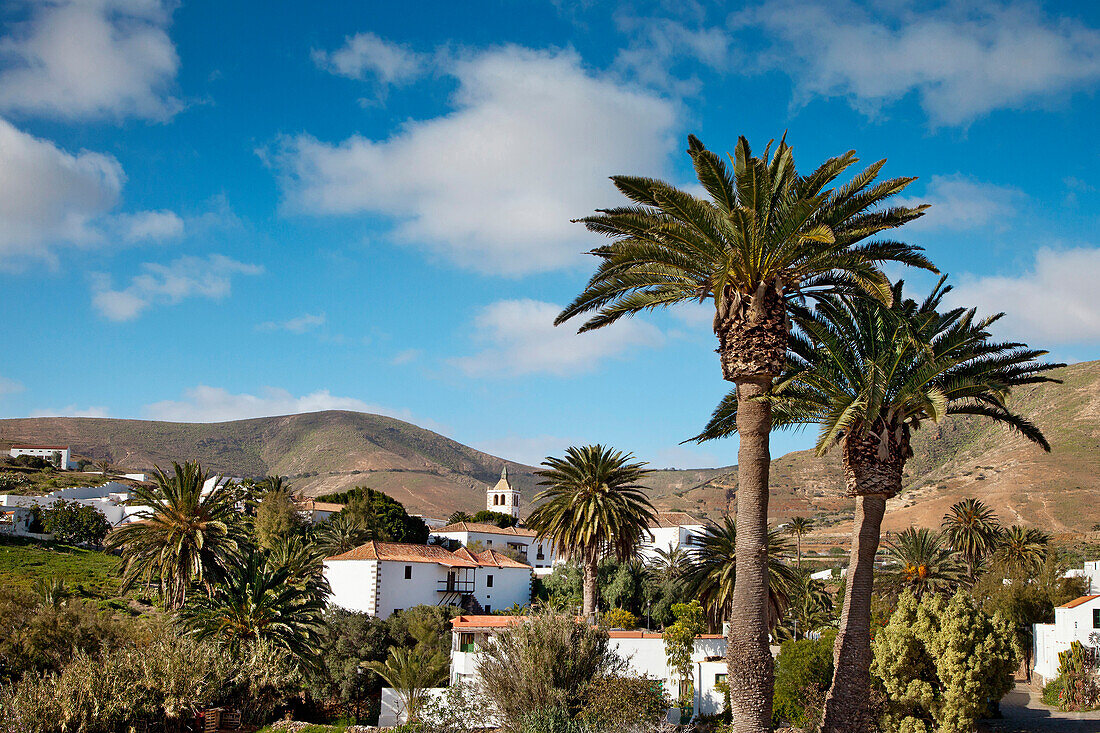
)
(748, 656)
(590, 571)
(846, 703)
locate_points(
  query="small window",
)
(488, 581)
(488, 609)
(719, 678)
(1096, 618)
(488, 542)
(496, 499)
(408, 572)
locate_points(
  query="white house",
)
(643, 650)
(1090, 572)
(1078, 620)
(109, 498)
(316, 511)
(379, 578)
(16, 520)
(502, 497)
(47, 452)
(539, 553)
(670, 530)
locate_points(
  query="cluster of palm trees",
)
(811, 332)
(971, 540)
(200, 553)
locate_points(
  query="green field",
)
(87, 573)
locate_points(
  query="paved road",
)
(1024, 712)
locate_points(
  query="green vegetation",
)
(73, 523)
(380, 515)
(87, 573)
(803, 672)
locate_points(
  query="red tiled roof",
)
(485, 622)
(320, 506)
(42, 447)
(673, 519)
(623, 634)
(1078, 601)
(404, 552)
(492, 558)
(485, 529)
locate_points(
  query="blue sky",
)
(219, 210)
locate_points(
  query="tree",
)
(259, 601)
(384, 517)
(810, 607)
(764, 239)
(715, 574)
(679, 640)
(972, 529)
(181, 537)
(276, 518)
(942, 663)
(500, 519)
(671, 562)
(457, 517)
(74, 523)
(868, 375)
(411, 673)
(803, 671)
(340, 533)
(799, 526)
(926, 564)
(592, 507)
(1021, 550)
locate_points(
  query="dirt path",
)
(1024, 712)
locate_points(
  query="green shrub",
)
(1052, 692)
(74, 523)
(550, 720)
(623, 703)
(618, 618)
(802, 666)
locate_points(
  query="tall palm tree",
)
(925, 562)
(868, 375)
(714, 577)
(798, 527)
(411, 672)
(810, 609)
(1021, 550)
(670, 562)
(592, 507)
(259, 601)
(180, 536)
(340, 533)
(972, 529)
(765, 237)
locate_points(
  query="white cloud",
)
(91, 58)
(10, 386)
(960, 203)
(72, 411)
(1053, 303)
(366, 55)
(963, 60)
(301, 324)
(150, 225)
(659, 44)
(214, 404)
(521, 338)
(406, 356)
(168, 284)
(493, 184)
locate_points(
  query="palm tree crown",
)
(181, 536)
(925, 562)
(593, 507)
(972, 529)
(799, 526)
(1021, 550)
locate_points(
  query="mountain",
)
(434, 475)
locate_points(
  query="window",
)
(1096, 618)
(408, 572)
(466, 642)
(488, 609)
(719, 678)
(541, 555)
(488, 542)
(488, 581)
(496, 499)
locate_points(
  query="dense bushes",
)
(74, 523)
(382, 515)
(803, 672)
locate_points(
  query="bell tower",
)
(502, 497)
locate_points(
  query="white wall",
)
(528, 545)
(353, 584)
(1070, 625)
(667, 538)
(510, 586)
(46, 453)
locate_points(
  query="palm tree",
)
(411, 672)
(713, 577)
(972, 529)
(1021, 551)
(340, 533)
(181, 536)
(925, 562)
(810, 609)
(592, 507)
(670, 562)
(765, 238)
(868, 375)
(798, 527)
(259, 601)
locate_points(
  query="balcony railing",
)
(454, 585)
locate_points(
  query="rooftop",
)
(674, 519)
(1079, 601)
(41, 447)
(465, 623)
(486, 529)
(405, 552)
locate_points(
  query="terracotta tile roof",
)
(492, 558)
(623, 634)
(404, 552)
(485, 529)
(1078, 601)
(320, 506)
(485, 622)
(42, 447)
(673, 519)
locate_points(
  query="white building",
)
(379, 578)
(671, 530)
(56, 454)
(539, 554)
(16, 520)
(1078, 620)
(316, 511)
(643, 650)
(109, 498)
(502, 497)
(1090, 572)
